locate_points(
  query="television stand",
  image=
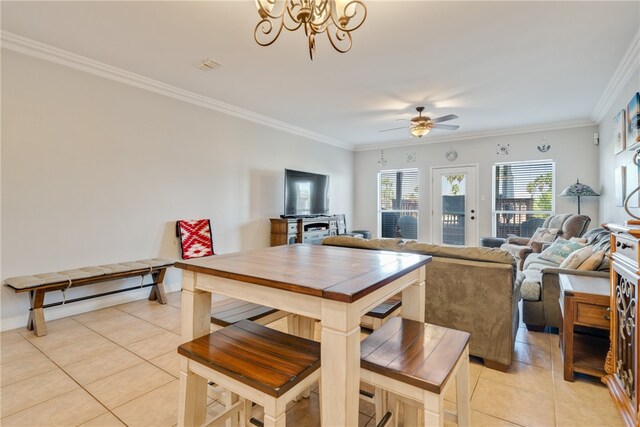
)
(311, 230)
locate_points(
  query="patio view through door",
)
(453, 203)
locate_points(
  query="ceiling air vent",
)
(208, 64)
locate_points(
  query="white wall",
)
(609, 162)
(575, 156)
(96, 172)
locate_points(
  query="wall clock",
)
(451, 155)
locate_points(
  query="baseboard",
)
(80, 307)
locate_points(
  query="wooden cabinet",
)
(287, 231)
(622, 361)
(584, 301)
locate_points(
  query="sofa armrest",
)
(589, 273)
(524, 252)
(516, 240)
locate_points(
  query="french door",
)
(453, 201)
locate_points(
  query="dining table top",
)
(335, 273)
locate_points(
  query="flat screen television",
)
(305, 193)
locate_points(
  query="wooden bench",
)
(259, 364)
(414, 363)
(38, 285)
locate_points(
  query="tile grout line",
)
(77, 383)
(61, 368)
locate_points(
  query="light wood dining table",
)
(335, 285)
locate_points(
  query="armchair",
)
(568, 226)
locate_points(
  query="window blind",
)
(523, 196)
(398, 203)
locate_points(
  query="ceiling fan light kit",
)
(421, 125)
(338, 18)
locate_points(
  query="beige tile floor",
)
(118, 366)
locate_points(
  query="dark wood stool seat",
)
(254, 362)
(378, 315)
(230, 310)
(420, 358)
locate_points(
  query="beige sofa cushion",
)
(358, 242)
(459, 252)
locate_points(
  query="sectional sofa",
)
(470, 289)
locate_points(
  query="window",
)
(398, 203)
(523, 195)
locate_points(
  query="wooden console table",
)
(287, 231)
(584, 301)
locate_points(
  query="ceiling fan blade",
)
(387, 130)
(403, 120)
(444, 118)
(447, 127)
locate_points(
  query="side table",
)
(584, 301)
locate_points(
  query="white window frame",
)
(494, 212)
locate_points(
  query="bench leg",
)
(36, 321)
(157, 290)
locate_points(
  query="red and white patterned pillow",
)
(196, 240)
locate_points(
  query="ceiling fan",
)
(421, 125)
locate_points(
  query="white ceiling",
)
(497, 65)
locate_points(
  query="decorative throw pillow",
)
(576, 258)
(593, 262)
(544, 235)
(578, 240)
(559, 250)
(541, 236)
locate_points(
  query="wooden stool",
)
(414, 362)
(230, 310)
(259, 364)
(379, 315)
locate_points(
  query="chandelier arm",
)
(290, 6)
(266, 27)
(340, 36)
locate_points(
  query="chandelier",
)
(338, 18)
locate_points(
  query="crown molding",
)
(480, 134)
(629, 63)
(26, 46)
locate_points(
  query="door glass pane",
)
(453, 209)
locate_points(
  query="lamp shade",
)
(579, 189)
